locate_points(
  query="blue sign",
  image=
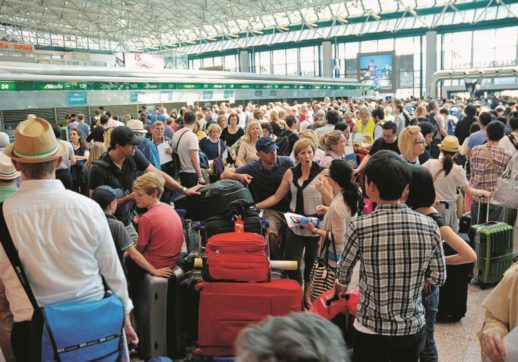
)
(133, 97)
(76, 98)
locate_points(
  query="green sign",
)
(7, 86)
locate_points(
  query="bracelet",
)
(314, 231)
(184, 189)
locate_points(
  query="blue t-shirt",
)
(150, 151)
(211, 149)
(265, 182)
(477, 139)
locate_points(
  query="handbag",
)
(217, 165)
(460, 203)
(72, 331)
(323, 275)
(506, 192)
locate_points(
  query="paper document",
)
(164, 157)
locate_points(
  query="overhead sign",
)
(144, 60)
(5, 45)
(76, 98)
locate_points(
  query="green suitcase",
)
(494, 247)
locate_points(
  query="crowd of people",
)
(328, 160)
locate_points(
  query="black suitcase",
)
(223, 224)
(453, 297)
(214, 199)
(465, 223)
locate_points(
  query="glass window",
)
(217, 62)
(291, 69)
(369, 46)
(385, 45)
(291, 55)
(404, 46)
(230, 63)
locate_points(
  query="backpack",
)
(283, 144)
(513, 141)
(217, 166)
(408, 120)
(176, 158)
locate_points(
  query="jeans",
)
(431, 305)
(380, 348)
(295, 245)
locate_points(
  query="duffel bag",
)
(223, 224)
(237, 257)
(214, 199)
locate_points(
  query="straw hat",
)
(34, 142)
(450, 144)
(7, 170)
(136, 125)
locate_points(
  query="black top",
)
(105, 172)
(380, 144)
(462, 128)
(439, 220)
(97, 134)
(229, 138)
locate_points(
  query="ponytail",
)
(342, 173)
(353, 197)
(447, 163)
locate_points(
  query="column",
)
(244, 61)
(431, 61)
(327, 59)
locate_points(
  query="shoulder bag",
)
(323, 275)
(70, 331)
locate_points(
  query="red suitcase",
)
(227, 308)
(237, 257)
(340, 311)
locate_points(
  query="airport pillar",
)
(327, 59)
(431, 61)
(244, 61)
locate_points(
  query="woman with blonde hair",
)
(96, 151)
(334, 145)
(420, 112)
(309, 189)
(311, 135)
(107, 137)
(247, 151)
(411, 144)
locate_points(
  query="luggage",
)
(465, 223)
(494, 247)
(453, 297)
(340, 311)
(151, 308)
(227, 308)
(215, 199)
(221, 224)
(237, 257)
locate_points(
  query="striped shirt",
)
(398, 250)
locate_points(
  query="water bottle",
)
(304, 221)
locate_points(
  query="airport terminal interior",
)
(347, 188)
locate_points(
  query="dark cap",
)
(105, 194)
(123, 135)
(265, 145)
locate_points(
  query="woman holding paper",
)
(308, 187)
(345, 204)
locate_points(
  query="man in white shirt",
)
(62, 237)
(185, 144)
(510, 142)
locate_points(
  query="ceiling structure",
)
(196, 26)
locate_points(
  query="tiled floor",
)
(457, 342)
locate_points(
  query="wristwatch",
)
(184, 189)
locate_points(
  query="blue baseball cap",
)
(104, 195)
(266, 145)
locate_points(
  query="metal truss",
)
(198, 26)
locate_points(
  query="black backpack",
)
(283, 144)
(175, 169)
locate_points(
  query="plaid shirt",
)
(484, 169)
(398, 249)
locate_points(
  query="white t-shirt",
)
(446, 186)
(507, 145)
(65, 164)
(188, 142)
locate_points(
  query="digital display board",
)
(377, 69)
